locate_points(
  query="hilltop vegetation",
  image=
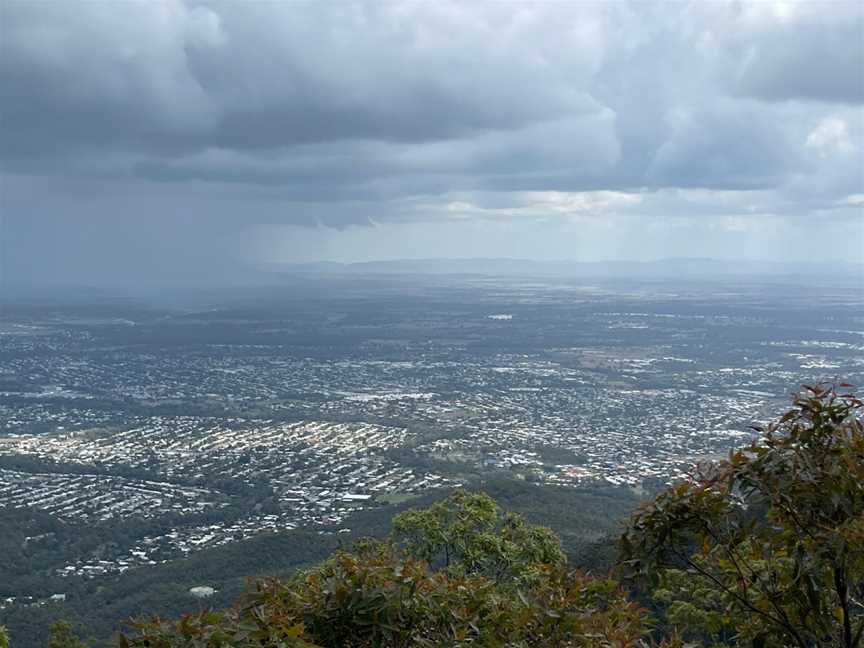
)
(457, 573)
(765, 548)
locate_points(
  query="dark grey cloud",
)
(724, 146)
(180, 88)
(173, 77)
(819, 57)
(228, 116)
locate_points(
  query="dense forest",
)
(764, 548)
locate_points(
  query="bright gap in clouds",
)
(620, 237)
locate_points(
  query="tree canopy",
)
(468, 533)
(458, 573)
(63, 636)
(766, 547)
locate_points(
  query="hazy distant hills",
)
(682, 267)
(280, 274)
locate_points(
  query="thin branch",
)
(777, 621)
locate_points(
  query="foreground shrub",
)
(496, 581)
(380, 598)
(766, 548)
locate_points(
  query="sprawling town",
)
(221, 424)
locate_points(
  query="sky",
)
(204, 141)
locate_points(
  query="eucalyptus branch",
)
(783, 623)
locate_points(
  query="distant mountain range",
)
(276, 274)
(501, 266)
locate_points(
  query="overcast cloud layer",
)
(191, 140)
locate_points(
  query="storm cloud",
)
(167, 136)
